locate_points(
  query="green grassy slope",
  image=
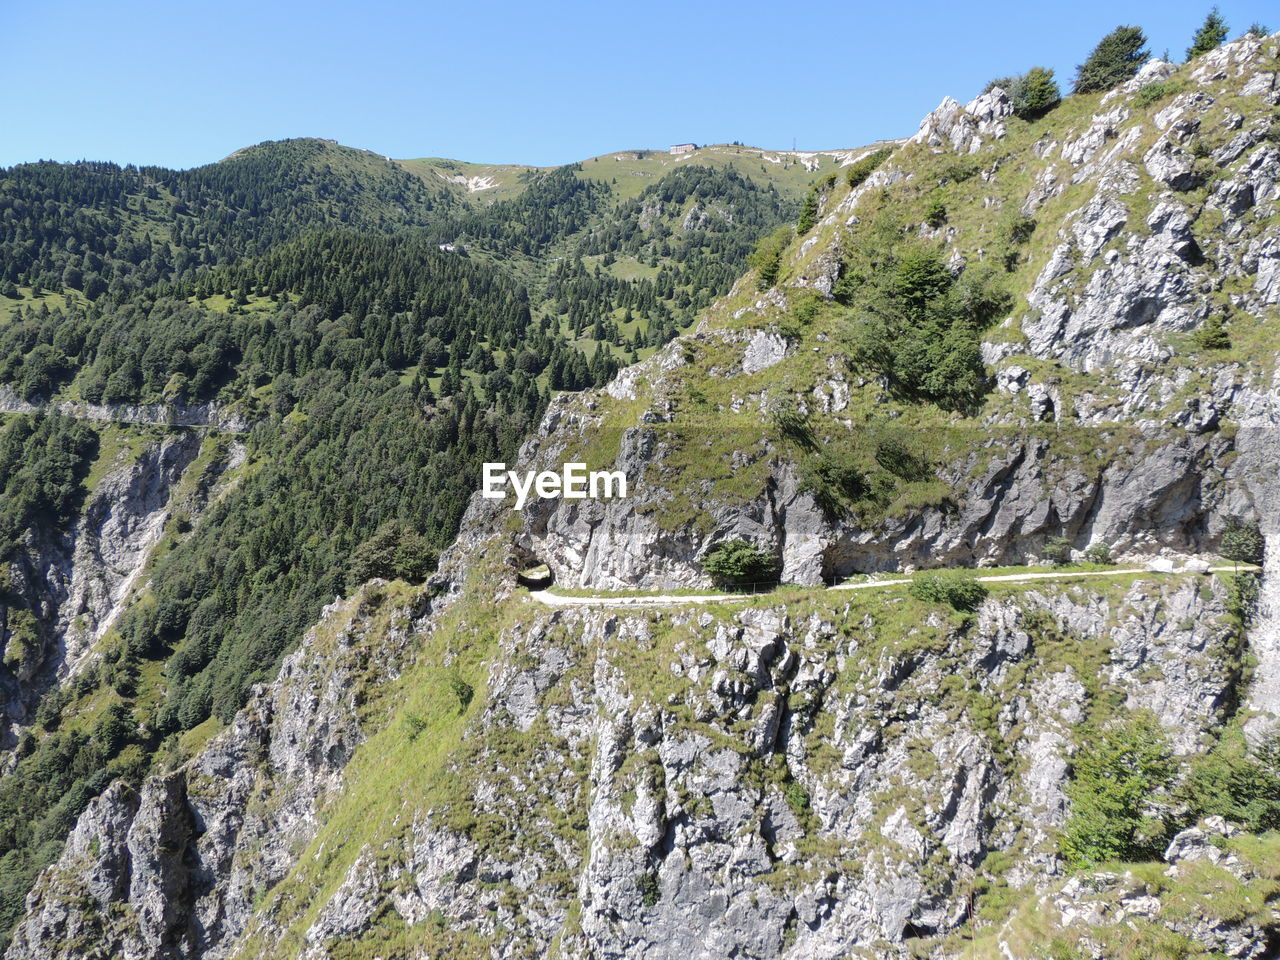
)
(474, 182)
(790, 172)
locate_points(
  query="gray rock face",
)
(1140, 288)
(160, 883)
(1153, 71)
(78, 584)
(126, 856)
(763, 351)
(1264, 637)
(1010, 496)
(722, 810)
(1196, 844)
(1169, 163)
(77, 912)
(175, 870)
(1239, 59)
(1102, 129)
(962, 128)
(1267, 257)
(159, 414)
(1187, 635)
(121, 523)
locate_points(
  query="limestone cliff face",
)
(209, 414)
(1154, 219)
(77, 584)
(175, 869)
(792, 780)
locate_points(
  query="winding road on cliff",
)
(659, 600)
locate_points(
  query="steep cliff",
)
(460, 771)
(176, 868)
(803, 777)
(1110, 420)
(73, 584)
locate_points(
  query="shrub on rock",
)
(735, 563)
(952, 587)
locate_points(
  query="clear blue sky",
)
(185, 82)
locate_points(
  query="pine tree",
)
(808, 212)
(1210, 35)
(448, 383)
(422, 390)
(1040, 94)
(1115, 59)
(1213, 335)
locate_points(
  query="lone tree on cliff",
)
(1033, 94)
(1115, 59)
(1210, 35)
(1040, 94)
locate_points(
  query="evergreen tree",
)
(1039, 94)
(735, 563)
(1115, 59)
(808, 212)
(1210, 35)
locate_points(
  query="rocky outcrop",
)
(1010, 494)
(1160, 276)
(122, 521)
(1153, 71)
(1092, 906)
(1264, 692)
(963, 128)
(175, 869)
(77, 583)
(613, 544)
(720, 811)
(781, 781)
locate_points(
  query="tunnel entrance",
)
(535, 576)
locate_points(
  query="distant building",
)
(677, 148)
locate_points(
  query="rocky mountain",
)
(229, 393)
(1107, 421)
(1005, 342)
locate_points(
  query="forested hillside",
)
(350, 342)
(95, 228)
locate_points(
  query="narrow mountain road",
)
(666, 600)
(206, 416)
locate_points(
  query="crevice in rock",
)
(996, 489)
(666, 844)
